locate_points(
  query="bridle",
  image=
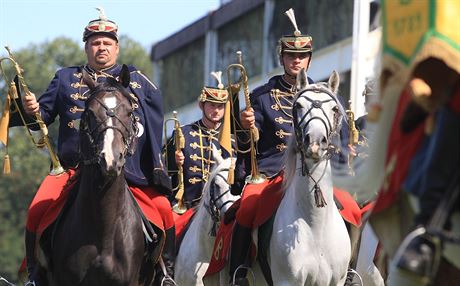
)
(93, 135)
(300, 129)
(213, 208)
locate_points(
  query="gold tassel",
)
(6, 165)
(231, 174)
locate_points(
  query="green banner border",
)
(430, 33)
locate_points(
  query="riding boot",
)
(169, 256)
(241, 241)
(32, 265)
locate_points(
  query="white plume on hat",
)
(102, 15)
(218, 76)
(291, 16)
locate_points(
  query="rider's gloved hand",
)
(237, 188)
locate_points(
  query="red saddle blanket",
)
(143, 199)
(57, 190)
(181, 221)
(350, 212)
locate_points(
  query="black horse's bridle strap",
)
(111, 113)
(213, 208)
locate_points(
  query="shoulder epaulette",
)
(133, 70)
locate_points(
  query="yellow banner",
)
(414, 26)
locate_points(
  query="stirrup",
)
(30, 283)
(248, 269)
(169, 279)
(419, 253)
(351, 273)
(6, 281)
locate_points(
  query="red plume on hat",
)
(102, 26)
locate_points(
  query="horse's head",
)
(317, 117)
(108, 128)
(217, 198)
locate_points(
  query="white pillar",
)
(156, 72)
(210, 56)
(359, 52)
(269, 7)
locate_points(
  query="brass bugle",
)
(179, 140)
(353, 136)
(255, 177)
(57, 168)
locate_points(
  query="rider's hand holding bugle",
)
(179, 157)
(31, 106)
(248, 119)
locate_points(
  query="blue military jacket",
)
(65, 97)
(272, 104)
(198, 161)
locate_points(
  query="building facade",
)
(183, 61)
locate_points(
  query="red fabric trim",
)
(182, 220)
(401, 149)
(351, 211)
(146, 198)
(259, 202)
(221, 248)
(454, 103)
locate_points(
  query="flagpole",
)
(359, 51)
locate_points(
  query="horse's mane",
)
(225, 164)
(290, 159)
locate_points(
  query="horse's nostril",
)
(324, 140)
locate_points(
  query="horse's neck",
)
(202, 222)
(99, 197)
(302, 189)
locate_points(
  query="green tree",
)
(132, 53)
(30, 165)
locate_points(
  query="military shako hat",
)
(295, 43)
(101, 26)
(214, 94)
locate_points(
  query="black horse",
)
(99, 238)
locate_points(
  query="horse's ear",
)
(88, 80)
(124, 76)
(333, 82)
(216, 155)
(302, 79)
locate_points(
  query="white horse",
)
(310, 244)
(196, 248)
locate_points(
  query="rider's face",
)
(101, 51)
(294, 62)
(213, 112)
